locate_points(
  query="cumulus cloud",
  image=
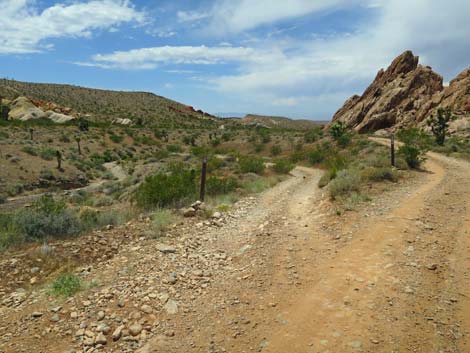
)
(23, 29)
(150, 58)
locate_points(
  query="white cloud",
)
(191, 16)
(235, 16)
(149, 58)
(23, 29)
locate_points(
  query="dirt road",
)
(284, 273)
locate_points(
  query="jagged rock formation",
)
(456, 97)
(405, 94)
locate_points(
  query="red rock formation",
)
(394, 98)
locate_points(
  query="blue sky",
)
(298, 58)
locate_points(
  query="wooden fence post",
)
(203, 179)
(392, 149)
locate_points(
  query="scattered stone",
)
(189, 212)
(118, 333)
(166, 249)
(146, 309)
(171, 307)
(36, 314)
(101, 339)
(135, 329)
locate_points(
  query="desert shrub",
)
(218, 185)
(30, 150)
(4, 110)
(283, 166)
(83, 124)
(297, 156)
(4, 135)
(414, 137)
(317, 156)
(264, 135)
(3, 198)
(276, 150)
(166, 188)
(413, 155)
(66, 285)
(344, 140)
(47, 218)
(200, 151)
(335, 163)
(116, 138)
(259, 147)
(47, 153)
(324, 180)
(379, 174)
(313, 135)
(161, 219)
(226, 136)
(345, 182)
(174, 148)
(215, 142)
(251, 164)
(214, 163)
(64, 138)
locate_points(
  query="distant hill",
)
(280, 122)
(105, 105)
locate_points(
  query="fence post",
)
(392, 149)
(203, 179)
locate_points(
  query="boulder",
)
(120, 121)
(58, 118)
(23, 109)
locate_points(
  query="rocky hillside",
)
(279, 122)
(405, 94)
(104, 104)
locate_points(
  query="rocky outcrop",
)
(58, 118)
(404, 94)
(23, 109)
(456, 97)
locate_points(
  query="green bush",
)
(317, 156)
(166, 188)
(30, 150)
(47, 153)
(283, 166)
(4, 110)
(66, 285)
(215, 142)
(345, 182)
(379, 174)
(412, 155)
(116, 138)
(174, 148)
(47, 218)
(313, 135)
(276, 150)
(251, 164)
(218, 186)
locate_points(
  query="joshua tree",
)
(440, 124)
(59, 159)
(77, 138)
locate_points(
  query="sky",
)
(297, 58)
